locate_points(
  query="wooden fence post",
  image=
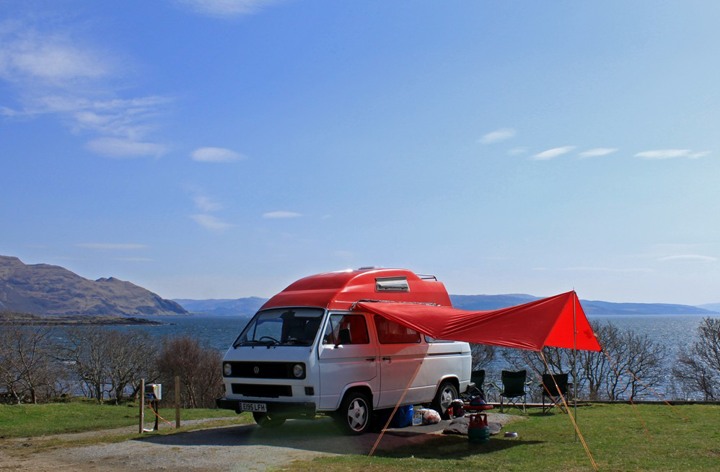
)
(142, 405)
(177, 401)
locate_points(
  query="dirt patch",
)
(231, 448)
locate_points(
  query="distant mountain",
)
(711, 306)
(591, 307)
(248, 306)
(489, 302)
(42, 289)
(223, 307)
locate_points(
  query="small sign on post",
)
(153, 394)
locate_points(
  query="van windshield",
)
(282, 327)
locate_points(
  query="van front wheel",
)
(444, 397)
(265, 421)
(355, 413)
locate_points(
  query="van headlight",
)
(227, 369)
(299, 371)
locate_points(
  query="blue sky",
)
(222, 149)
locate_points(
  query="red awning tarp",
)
(545, 322)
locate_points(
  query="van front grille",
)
(268, 391)
(265, 370)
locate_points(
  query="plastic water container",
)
(417, 417)
(403, 417)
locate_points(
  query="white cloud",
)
(281, 214)
(9, 112)
(211, 222)
(598, 152)
(552, 153)
(698, 155)
(688, 257)
(124, 148)
(672, 154)
(497, 136)
(206, 204)
(224, 8)
(215, 154)
(56, 74)
(52, 59)
(112, 246)
(130, 118)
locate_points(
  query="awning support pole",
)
(574, 373)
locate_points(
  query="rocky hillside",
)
(43, 289)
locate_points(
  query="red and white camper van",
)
(311, 350)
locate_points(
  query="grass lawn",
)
(78, 416)
(619, 437)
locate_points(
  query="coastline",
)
(26, 319)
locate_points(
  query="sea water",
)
(216, 332)
(219, 332)
(671, 331)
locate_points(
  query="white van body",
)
(309, 350)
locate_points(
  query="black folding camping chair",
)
(477, 377)
(554, 388)
(513, 389)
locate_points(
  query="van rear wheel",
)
(266, 421)
(355, 413)
(444, 397)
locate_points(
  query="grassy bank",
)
(619, 437)
(79, 416)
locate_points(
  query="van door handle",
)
(389, 359)
(370, 359)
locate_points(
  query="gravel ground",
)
(233, 448)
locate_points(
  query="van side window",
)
(390, 332)
(346, 329)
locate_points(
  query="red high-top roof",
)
(339, 290)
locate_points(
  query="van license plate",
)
(254, 407)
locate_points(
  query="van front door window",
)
(346, 329)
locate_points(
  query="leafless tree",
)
(482, 355)
(646, 364)
(109, 361)
(616, 351)
(630, 365)
(595, 367)
(131, 357)
(83, 350)
(698, 366)
(198, 367)
(27, 369)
